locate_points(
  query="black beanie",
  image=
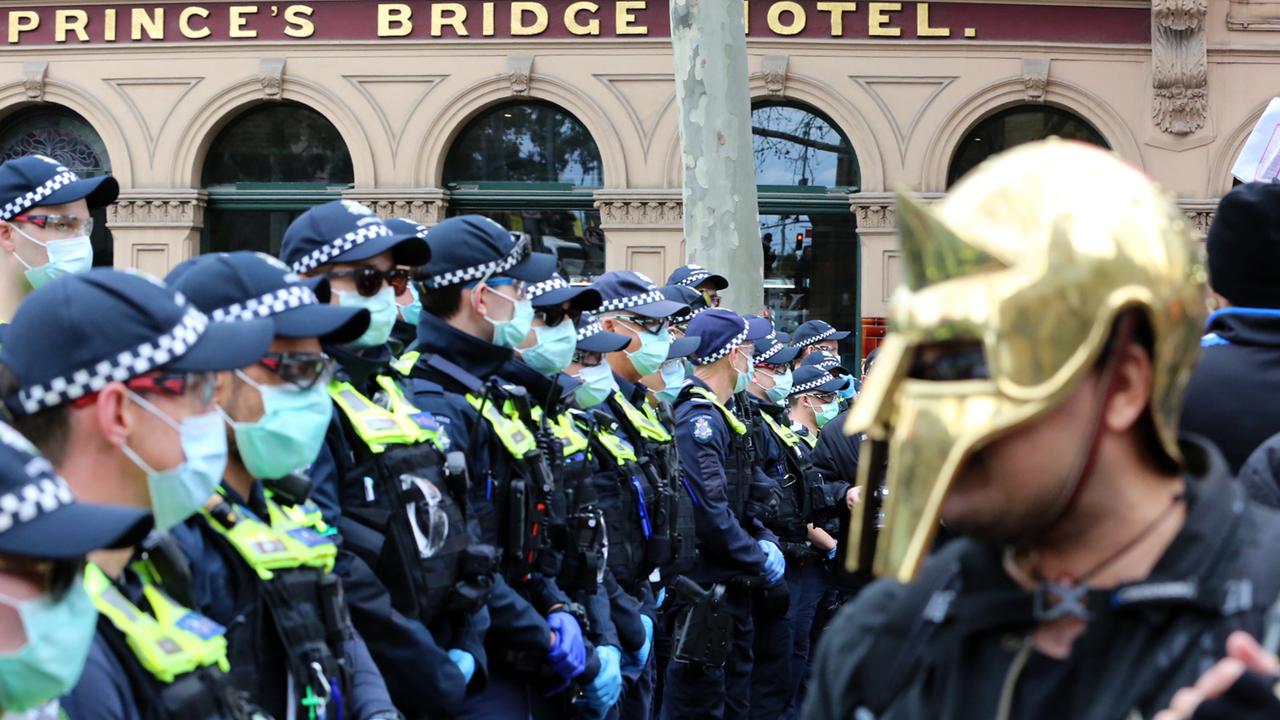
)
(1244, 246)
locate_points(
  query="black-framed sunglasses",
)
(553, 316)
(60, 224)
(587, 359)
(302, 369)
(652, 326)
(369, 280)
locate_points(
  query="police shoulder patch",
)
(702, 429)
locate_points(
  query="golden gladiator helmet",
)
(1032, 256)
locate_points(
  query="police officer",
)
(702, 281)
(1030, 388)
(46, 615)
(475, 312)
(124, 410)
(381, 456)
(260, 534)
(45, 220)
(735, 552)
(817, 336)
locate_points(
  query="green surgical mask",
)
(66, 257)
(290, 433)
(826, 412)
(673, 374)
(598, 384)
(59, 634)
(652, 353)
(382, 315)
(553, 348)
(510, 333)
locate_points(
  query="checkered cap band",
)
(594, 328)
(828, 364)
(546, 286)
(773, 349)
(324, 254)
(272, 303)
(30, 199)
(484, 270)
(819, 337)
(735, 342)
(35, 498)
(623, 303)
(811, 385)
(695, 277)
(127, 364)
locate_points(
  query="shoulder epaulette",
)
(433, 362)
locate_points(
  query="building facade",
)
(223, 121)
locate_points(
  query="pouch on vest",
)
(703, 629)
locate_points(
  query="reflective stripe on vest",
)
(376, 426)
(515, 437)
(804, 434)
(729, 417)
(171, 642)
(282, 545)
(784, 433)
(646, 423)
(429, 429)
(620, 449)
(566, 432)
(404, 364)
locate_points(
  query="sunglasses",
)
(60, 224)
(369, 280)
(711, 299)
(302, 369)
(202, 385)
(553, 316)
(653, 326)
(772, 368)
(588, 359)
(823, 397)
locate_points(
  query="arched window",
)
(1015, 126)
(265, 168)
(530, 166)
(59, 133)
(805, 170)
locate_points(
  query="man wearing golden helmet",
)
(1027, 399)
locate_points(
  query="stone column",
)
(424, 205)
(643, 229)
(154, 230)
(880, 268)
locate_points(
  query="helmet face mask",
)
(1033, 267)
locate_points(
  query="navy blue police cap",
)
(555, 291)
(110, 326)
(627, 290)
(692, 299)
(826, 361)
(37, 181)
(469, 248)
(345, 231)
(683, 347)
(691, 276)
(40, 518)
(773, 350)
(720, 331)
(811, 379)
(245, 285)
(816, 331)
(592, 337)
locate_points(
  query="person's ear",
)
(6, 238)
(1130, 389)
(115, 417)
(477, 299)
(608, 323)
(223, 389)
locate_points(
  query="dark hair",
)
(443, 302)
(49, 430)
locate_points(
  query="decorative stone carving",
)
(878, 216)
(658, 212)
(519, 73)
(1179, 64)
(33, 75)
(142, 208)
(1035, 78)
(271, 75)
(426, 206)
(1199, 214)
(774, 68)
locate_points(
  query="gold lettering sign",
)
(452, 14)
(393, 20)
(626, 19)
(837, 10)
(190, 30)
(795, 23)
(298, 19)
(878, 19)
(518, 25)
(574, 24)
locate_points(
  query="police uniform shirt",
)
(706, 459)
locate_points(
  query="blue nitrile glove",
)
(466, 664)
(567, 656)
(634, 662)
(662, 596)
(774, 566)
(603, 692)
(831, 554)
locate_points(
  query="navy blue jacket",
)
(103, 691)
(1230, 399)
(515, 622)
(412, 657)
(215, 569)
(726, 547)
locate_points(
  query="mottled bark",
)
(721, 224)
